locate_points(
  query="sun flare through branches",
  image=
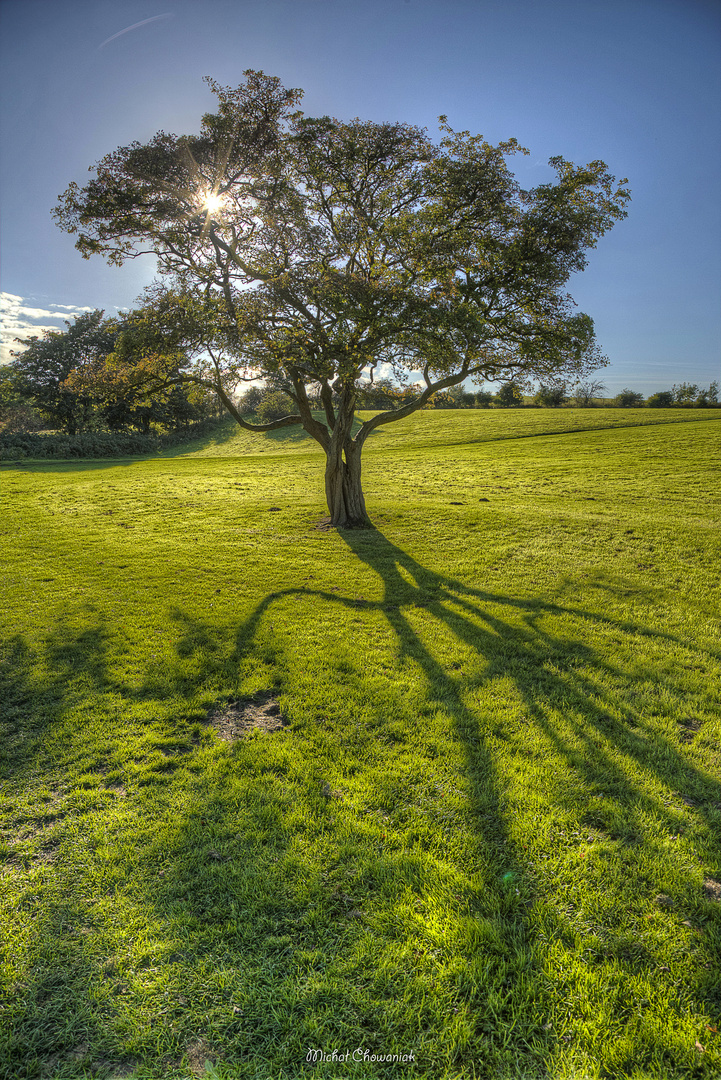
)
(211, 201)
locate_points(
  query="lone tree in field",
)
(309, 252)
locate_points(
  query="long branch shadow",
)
(543, 667)
(577, 698)
(564, 687)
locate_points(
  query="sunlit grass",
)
(487, 832)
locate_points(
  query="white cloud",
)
(19, 318)
(71, 307)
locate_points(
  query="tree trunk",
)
(343, 490)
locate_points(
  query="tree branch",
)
(391, 415)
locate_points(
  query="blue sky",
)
(634, 82)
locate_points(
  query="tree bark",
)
(343, 489)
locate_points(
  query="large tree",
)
(314, 253)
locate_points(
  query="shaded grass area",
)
(485, 836)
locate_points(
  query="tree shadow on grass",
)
(576, 702)
(52, 1013)
(507, 638)
(48, 465)
(580, 702)
(240, 881)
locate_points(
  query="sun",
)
(210, 201)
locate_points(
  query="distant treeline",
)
(270, 403)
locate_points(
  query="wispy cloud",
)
(135, 26)
(20, 318)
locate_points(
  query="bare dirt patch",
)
(198, 1053)
(234, 719)
(663, 901)
(712, 889)
(117, 788)
(690, 727)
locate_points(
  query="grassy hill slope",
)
(438, 427)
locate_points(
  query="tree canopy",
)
(316, 253)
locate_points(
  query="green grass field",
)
(487, 831)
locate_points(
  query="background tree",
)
(274, 405)
(116, 390)
(250, 400)
(484, 399)
(509, 396)
(688, 395)
(379, 394)
(585, 393)
(461, 398)
(628, 399)
(123, 389)
(16, 412)
(43, 367)
(685, 394)
(662, 400)
(708, 398)
(551, 396)
(312, 251)
(85, 377)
